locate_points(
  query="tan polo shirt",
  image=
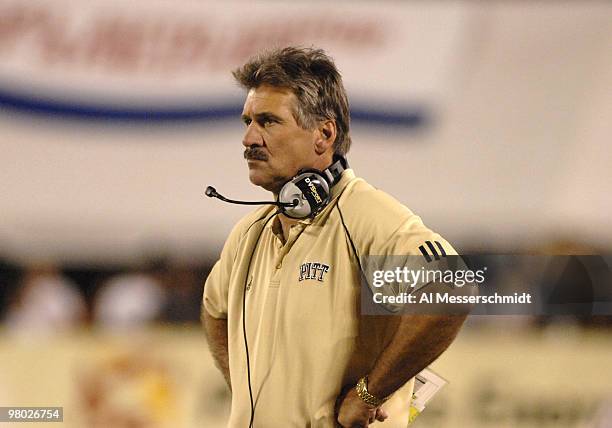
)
(306, 337)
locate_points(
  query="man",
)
(282, 305)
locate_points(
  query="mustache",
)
(255, 153)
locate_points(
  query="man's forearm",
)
(216, 332)
(417, 342)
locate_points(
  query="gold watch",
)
(362, 392)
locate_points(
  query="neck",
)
(323, 162)
(285, 223)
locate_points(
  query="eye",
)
(246, 121)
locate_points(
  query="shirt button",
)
(278, 266)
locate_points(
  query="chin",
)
(266, 183)
(258, 180)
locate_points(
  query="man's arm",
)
(416, 343)
(216, 333)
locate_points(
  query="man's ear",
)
(326, 136)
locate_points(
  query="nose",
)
(252, 136)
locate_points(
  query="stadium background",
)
(490, 120)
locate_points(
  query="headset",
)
(303, 196)
(312, 189)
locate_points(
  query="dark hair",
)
(314, 79)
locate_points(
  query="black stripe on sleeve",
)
(441, 248)
(433, 250)
(425, 254)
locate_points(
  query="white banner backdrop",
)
(171, 54)
(516, 151)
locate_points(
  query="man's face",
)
(276, 146)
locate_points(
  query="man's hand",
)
(353, 412)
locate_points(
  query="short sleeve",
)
(216, 288)
(412, 255)
(216, 291)
(392, 242)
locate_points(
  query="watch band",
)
(362, 392)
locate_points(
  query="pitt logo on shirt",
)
(313, 270)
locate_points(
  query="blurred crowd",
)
(44, 297)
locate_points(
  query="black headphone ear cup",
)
(289, 193)
(311, 188)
